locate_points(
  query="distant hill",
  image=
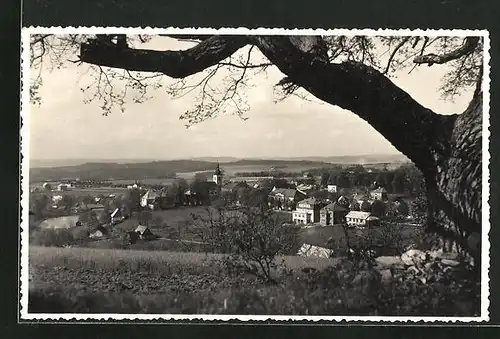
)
(341, 159)
(149, 170)
(104, 170)
(355, 159)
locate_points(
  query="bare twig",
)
(391, 57)
(468, 46)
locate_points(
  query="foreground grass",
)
(83, 280)
(148, 261)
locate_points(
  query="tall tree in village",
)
(350, 72)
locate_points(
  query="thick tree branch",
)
(176, 64)
(413, 129)
(467, 47)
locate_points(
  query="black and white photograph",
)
(254, 174)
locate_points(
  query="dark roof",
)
(311, 201)
(335, 207)
(92, 206)
(233, 185)
(286, 192)
(142, 230)
(100, 228)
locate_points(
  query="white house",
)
(63, 187)
(133, 187)
(379, 194)
(307, 211)
(56, 198)
(332, 188)
(149, 199)
(362, 219)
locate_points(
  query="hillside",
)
(157, 169)
(162, 169)
(104, 171)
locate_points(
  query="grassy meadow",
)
(118, 281)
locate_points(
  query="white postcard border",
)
(23, 313)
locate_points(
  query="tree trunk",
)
(447, 149)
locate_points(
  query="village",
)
(271, 175)
(352, 197)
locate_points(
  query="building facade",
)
(307, 211)
(332, 188)
(361, 219)
(333, 214)
(379, 194)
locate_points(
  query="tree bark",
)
(447, 149)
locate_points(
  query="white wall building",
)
(307, 211)
(332, 188)
(360, 219)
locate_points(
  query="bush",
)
(251, 238)
(51, 237)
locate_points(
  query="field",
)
(65, 280)
(79, 192)
(163, 181)
(147, 272)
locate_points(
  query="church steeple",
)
(218, 175)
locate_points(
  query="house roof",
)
(115, 212)
(310, 201)
(379, 190)
(353, 204)
(286, 192)
(233, 185)
(335, 207)
(150, 194)
(92, 206)
(358, 215)
(141, 229)
(372, 218)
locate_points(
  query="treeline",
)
(407, 179)
(270, 173)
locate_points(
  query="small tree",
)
(251, 238)
(145, 218)
(89, 219)
(158, 221)
(67, 202)
(105, 217)
(378, 208)
(39, 205)
(365, 206)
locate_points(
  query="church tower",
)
(217, 177)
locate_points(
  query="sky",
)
(64, 127)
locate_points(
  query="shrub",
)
(251, 238)
(51, 237)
